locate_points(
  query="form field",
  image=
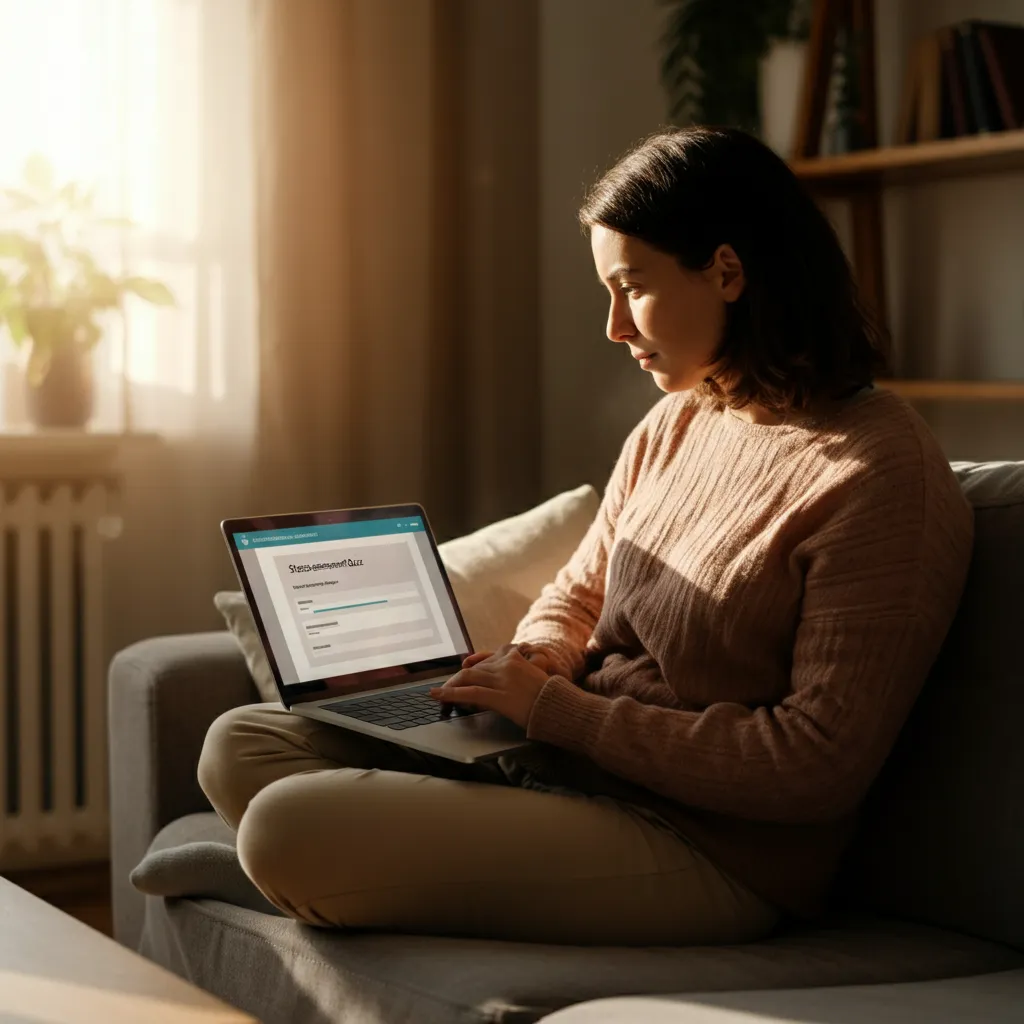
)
(372, 618)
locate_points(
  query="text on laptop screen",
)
(350, 597)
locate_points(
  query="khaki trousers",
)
(341, 829)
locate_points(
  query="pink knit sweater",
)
(747, 624)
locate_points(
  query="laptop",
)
(359, 621)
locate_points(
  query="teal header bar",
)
(335, 531)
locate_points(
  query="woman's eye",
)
(631, 290)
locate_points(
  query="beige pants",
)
(341, 829)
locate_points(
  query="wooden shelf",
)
(958, 390)
(923, 161)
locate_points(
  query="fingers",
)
(478, 696)
(469, 677)
(527, 650)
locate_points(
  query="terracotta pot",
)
(65, 398)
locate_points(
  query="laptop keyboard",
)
(397, 709)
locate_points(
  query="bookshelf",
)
(860, 177)
(957, 390)
(920, 162)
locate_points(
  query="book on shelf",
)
(963, 79)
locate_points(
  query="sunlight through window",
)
(146, 101)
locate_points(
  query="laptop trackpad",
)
(486, 725)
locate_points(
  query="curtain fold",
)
(148, 104)
(397, 254)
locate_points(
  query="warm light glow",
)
(94, 85)
(147, 101)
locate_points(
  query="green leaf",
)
(15, 317)
(21, 200)
(15, 245)
(77, 197)
(85, 260)
(38, 174)
(39, 360)
(102, 290)
(152, 291)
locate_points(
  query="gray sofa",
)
(932, 889)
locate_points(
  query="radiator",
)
(53, 759)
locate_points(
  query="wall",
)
(956, 249)
(599, 93)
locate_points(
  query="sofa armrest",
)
(163, 695)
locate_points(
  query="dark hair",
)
(798, 333)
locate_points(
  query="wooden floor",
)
(82, 891)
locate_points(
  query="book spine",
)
(907, 129)
(972, 76)
(954, 85)
(973, 73)
(997, 78)
(930, 109)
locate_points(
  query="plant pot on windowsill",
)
(52, 290)
(64, 397)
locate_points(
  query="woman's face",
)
(671, 318)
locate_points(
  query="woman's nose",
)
(620, 323)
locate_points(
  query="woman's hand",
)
(507, 681)
(536, 654)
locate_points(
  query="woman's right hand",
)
(536, 654)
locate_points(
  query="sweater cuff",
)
(567, 716)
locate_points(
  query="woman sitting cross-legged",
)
(718, 673)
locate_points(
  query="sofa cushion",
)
(943, 834)
(332, 975)
(496, 573)
(992, 998)
(284, 971)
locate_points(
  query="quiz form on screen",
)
(349, 597)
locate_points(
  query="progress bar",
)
(341, 607)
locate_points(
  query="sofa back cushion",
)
(942, 838)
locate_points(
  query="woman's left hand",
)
(505, 682)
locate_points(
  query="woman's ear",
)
(727, 273)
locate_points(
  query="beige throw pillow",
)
(496, 573)
(235, 609)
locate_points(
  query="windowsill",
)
(65, 455)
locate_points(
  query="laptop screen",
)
(364, 598)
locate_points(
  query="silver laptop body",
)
(358, 621)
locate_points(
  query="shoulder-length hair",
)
(798, 333)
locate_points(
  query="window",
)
(148, 101)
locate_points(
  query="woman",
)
(718, 673)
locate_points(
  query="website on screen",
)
(350, 597)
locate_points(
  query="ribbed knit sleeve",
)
(883, 564)
(564, 615)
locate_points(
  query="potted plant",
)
(52, 291)
(731, 62)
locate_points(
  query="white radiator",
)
(53, 756)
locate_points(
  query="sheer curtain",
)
(150, 103)
(397, 145)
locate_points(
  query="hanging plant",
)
(712, 53)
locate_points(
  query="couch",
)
(931, 895)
